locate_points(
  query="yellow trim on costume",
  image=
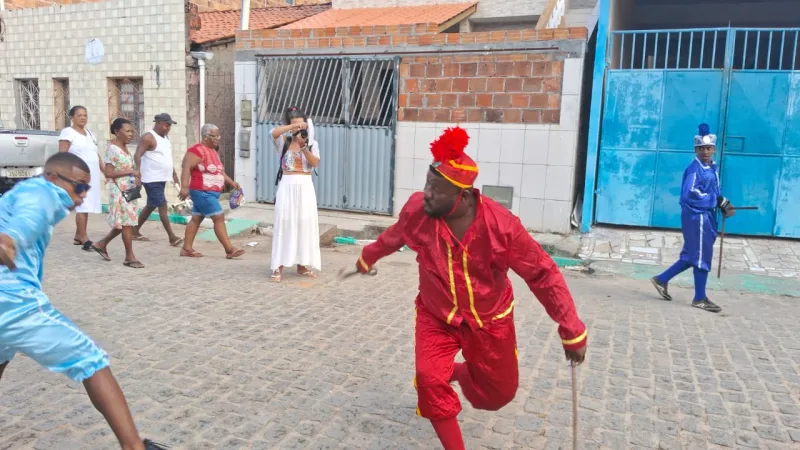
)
(461, 185)
(516, 354)
(363, 264)
(462, 166)
(419, 413)
(574, 341)
(504, 313)
(469, 289)
(452, 283)
(414, 382)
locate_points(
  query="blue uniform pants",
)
(29, 324)
(699, 233)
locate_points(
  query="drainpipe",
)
(245, 15)
(201, 58)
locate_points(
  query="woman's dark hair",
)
(293, 112)
(74, 110)
(117, 125)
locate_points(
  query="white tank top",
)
(157, 163)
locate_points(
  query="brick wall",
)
(506, 88)
(514, 86)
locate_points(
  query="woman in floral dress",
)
(123, 216)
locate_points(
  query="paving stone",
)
(212, 357)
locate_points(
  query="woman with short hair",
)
(78, 140)
(120, 172)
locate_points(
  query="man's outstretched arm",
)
(388, 242)
(529, 260)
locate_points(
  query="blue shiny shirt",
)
(28, 214)
(700, 188)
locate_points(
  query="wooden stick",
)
(574, 405)
(721, 243)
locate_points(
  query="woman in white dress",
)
(78, 140)
(295, 236)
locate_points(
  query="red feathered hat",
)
(450, 160)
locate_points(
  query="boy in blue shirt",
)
(29, 324)
(700, 198)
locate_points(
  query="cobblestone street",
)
(212, 355)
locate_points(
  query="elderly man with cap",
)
(700, 199)
(155, 167)
(466, 243)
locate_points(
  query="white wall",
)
(245, 89)
(538, 161)
(138, 35)
(486, 8)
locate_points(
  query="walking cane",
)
(722, 235)
(574, 405)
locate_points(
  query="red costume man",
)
(465, 245)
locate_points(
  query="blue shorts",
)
(29, 324)
(205, 203)
(155, 193)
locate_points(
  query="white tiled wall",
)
(138, 35)
(538, 161)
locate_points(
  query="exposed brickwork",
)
(521, 86)
(509, 88)
(422, 34)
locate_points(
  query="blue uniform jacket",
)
(27, 214)
(700, 195)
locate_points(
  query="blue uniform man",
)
(29, 324)
(700, 199)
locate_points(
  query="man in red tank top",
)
(202, 178)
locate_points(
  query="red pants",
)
(491, 374)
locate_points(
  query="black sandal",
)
(87, 246)
(133, 264)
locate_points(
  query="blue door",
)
(743, 83)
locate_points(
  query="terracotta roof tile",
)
(395, 15)
(216, 25)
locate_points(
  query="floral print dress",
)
(120, 212)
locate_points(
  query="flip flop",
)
(141, 238)
(307, 273)
(237, 252)
(191, 253)
(87, 246)
(76, 242)
(133, 264)
(102, 253)
(178, 242)
(276, 277)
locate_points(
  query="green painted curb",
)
(234, 226)
(568, 262)
(173, 218)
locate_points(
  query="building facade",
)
(516, 91)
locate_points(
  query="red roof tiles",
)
(395, 15)
(216, 25)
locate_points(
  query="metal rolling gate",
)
(661, 84)
(352, 103)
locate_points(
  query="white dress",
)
(85, 146)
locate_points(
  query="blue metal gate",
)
(661, 84)
(352, 103)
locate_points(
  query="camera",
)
(302, 133)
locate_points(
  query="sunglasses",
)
(80, 188)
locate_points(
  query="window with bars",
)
(61, 102)
(126, 100)
(27, 93)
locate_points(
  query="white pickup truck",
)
(23, 154)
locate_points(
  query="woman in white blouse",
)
(295, 236)
(78, 140)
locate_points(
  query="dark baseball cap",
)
(164, 117)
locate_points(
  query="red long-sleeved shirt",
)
(468, 281)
